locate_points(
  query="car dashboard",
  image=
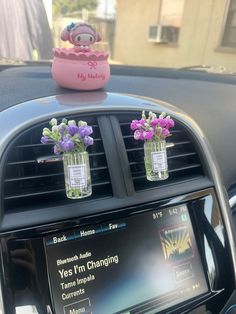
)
(115, 251)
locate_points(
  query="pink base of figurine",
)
(80, 70)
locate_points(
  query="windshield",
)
(188, 34)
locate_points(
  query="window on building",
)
(170, 13)
(229, 35)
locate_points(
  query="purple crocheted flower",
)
(148, 135)
(134, 125)
(162, 122)
(138, 135)
(45, 140)
(72, 129)
(170, 123)
(154, 122)
(66, 144)
(56, 150)
(88, 140)
(85, 130)
(165, 132)
(142, 121)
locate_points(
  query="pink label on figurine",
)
(84, 77)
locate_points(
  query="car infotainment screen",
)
(144, 263)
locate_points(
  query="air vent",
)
(28, 183)
(183, 160)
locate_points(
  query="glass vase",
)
(155, 160)
(77, 175)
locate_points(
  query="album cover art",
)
(176, 243)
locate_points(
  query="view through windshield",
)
(193, 34)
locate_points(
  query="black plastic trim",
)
(122, 155)
(61, 211)
(112, 157)
(172, 73)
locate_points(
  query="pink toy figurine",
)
(80, 67)
(81, 35)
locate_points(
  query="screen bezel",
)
(18, 279)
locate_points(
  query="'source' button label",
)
(183, 272)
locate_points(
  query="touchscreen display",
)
(144, 263)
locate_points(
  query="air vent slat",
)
(182, 155)
(170, 171)
(37, 184)
(16, 163)
(33, 177)
(33, 194)
(185, 168)
(141, 148)
(183, 160)
(20, 162)
(47, 175)
(168, 157)
(19, 196)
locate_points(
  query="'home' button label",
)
(80, 307)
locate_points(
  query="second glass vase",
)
(77, 175)
(155, 160)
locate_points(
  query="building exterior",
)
(201, 32)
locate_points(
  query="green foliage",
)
(64, 7)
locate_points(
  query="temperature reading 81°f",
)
(157, 215)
